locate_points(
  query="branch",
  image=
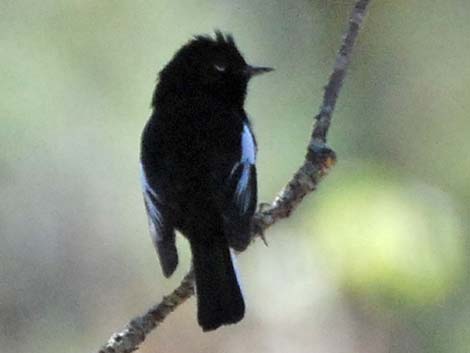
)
(135, 332)
(319, 158)
(318, 161)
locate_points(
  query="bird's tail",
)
(219, 297)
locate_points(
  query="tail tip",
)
(211, 322)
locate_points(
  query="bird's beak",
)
(251, 71)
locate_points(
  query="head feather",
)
(219, 38)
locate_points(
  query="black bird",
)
(198, 169)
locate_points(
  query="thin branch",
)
(318, 161)
(319, 158)
(135, 332)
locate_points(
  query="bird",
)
(198, 172)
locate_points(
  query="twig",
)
(135, 332)
(318, 161)
(319, 158)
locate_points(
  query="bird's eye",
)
(220, 68)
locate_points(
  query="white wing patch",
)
(154, 215)
(248, 146)
(233, 257)
(247, 159)
(243, 192)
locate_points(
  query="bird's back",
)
(189, 152)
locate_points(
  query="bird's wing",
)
(242, 191)
(161, 229)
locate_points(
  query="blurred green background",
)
(374, 261)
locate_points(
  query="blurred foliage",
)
(411, 256)
(375, 261)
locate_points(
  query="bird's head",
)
(207, 65)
